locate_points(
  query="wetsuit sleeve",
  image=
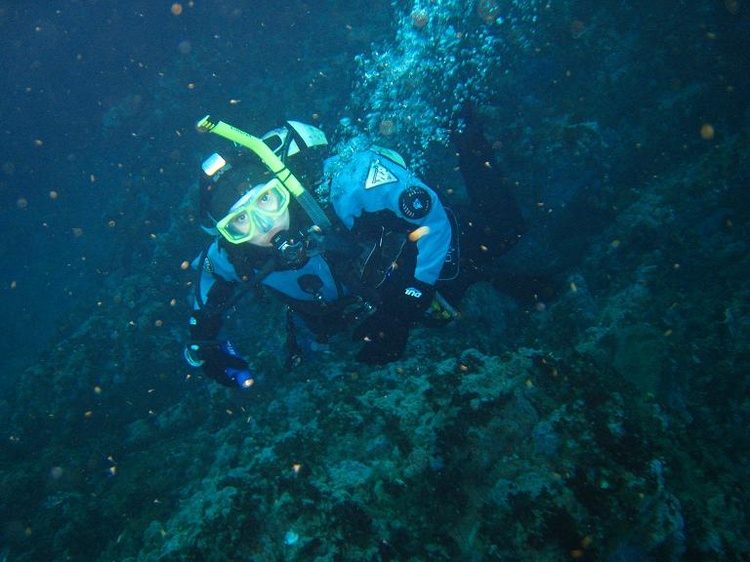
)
(371, 184)
(215, 288)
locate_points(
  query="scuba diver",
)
(370, 255)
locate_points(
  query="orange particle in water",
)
(176, 9)
(418, 233)
(184, 265)
(707, 131)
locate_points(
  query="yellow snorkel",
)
(210, 125)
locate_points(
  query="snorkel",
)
(210, 125)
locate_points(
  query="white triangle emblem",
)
(379, 175)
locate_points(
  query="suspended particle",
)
(387, 127)
(176, 9)
(707, 131)
(419, 19)
(419, 233)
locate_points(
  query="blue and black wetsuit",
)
(391, 238)
(372, 199)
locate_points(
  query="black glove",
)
(221, 362)
(410, 302)
(385, 332)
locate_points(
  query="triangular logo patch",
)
(379, 175)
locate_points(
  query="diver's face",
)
(257, 216)
(266, 229)
(263, 221)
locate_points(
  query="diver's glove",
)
(412, 302)
(221, 362)
(385, 332)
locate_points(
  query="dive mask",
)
(256, 211)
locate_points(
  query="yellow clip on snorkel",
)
(272, 162)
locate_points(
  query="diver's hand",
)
(411, 302)
(221, 362)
